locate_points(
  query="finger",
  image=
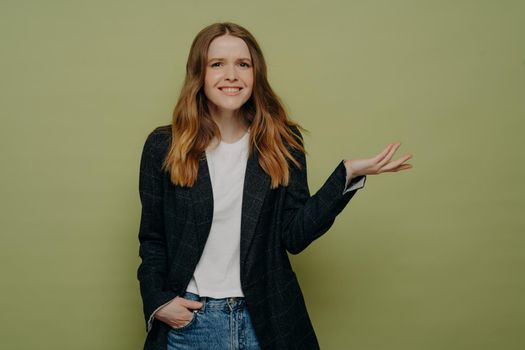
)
(392, 166)
(180, 323)
(395, 164)
(192, 304)
(383, 153)
(403, 167)
(390, 154)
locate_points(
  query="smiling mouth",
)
(230, 89)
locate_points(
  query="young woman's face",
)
(228, 81)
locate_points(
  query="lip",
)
(230, 93)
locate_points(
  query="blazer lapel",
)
(256, 184)
(202, 203)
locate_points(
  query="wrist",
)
(349, 170)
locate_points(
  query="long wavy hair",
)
(193, 127)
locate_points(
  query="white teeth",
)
(230, 89)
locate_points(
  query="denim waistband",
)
(224, 304)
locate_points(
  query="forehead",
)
(228, 46)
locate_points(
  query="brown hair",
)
(193, 128)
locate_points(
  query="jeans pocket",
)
(187, 325)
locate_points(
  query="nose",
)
(231, 73)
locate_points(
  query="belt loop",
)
(203, 301)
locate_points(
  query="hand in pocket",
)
(178, 312)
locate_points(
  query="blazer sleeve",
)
(305, 217)
(153, 268)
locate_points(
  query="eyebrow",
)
(223, 59)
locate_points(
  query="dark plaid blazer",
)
(175, 223)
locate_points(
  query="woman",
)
(224, 198)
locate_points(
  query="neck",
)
(231, 125)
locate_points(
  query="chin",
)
(230, 107)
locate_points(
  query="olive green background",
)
(429, 258)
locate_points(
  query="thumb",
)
(192, 304)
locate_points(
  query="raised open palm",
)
(380, 163)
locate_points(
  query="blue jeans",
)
(221, 324)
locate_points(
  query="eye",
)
(245, 65)
(216, 64)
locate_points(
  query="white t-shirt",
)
(217, 274)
